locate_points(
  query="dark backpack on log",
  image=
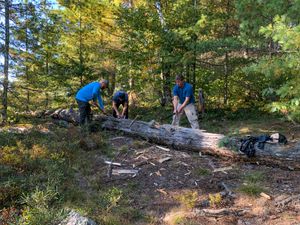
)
(249, 144)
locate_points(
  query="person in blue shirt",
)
(90, 92)
(184, 102)
(120, 98)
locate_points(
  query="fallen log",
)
(181, 138)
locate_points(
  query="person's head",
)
(179, 80)
(104, 84)
(122, 96)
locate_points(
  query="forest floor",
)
(169, 186)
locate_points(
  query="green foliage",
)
(188, 199)
(40, 207)
(34, 165)
(253, 184)
(251, 189)
(215, 199)
(224, 142)
(282, 70)
(254, 177)
(202, 171)
(111, 198)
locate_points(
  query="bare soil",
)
(162, 190)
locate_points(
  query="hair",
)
(105, 82)
(122, 95)
(179, 77)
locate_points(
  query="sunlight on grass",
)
(244, 130)
(188, 199)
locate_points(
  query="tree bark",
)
(188, 139)
(6, 60)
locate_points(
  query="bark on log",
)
(181, 138)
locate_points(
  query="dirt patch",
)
(170, 185)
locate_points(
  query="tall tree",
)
(6, 61)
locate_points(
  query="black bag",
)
(249, 144)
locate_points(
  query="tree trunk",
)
(226, 79)
(166, 92)
(6, 60)
(181, 138)
(27, 53)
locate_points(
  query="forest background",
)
(242, 54)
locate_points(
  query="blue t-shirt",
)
(185, 91)
(118, 95)
(90, 92)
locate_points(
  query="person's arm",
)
(115, 108)
(175, 100)
(175, 104)
(101, 105)
(186, 101)
(96, 96)
(124, 109)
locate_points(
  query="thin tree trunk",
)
(47, 58)
(80, 54)
(187, 69)
(226, 65)
(112, 81)
(6, 61)
(166, 74)
(47, 100)
(165, 68)
(194, 59)
(26, 66)
(226, 79)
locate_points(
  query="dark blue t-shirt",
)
(185, 91)
(120, 94)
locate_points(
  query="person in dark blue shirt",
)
(184, 102)
(90, 92)
(120, 98)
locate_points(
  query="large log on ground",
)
(192, 140)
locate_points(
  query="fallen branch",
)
(219, 212)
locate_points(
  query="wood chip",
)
(141, 156)
(188, 173)
(164, 159)
(140, 152)
(162, 191)
(158, 173)
(152, 163)
(112, 163)
(183, 163)
(262, 194)
(162, 148)
(123, 171)
(223, 169)
(116, 138)
(184, 155)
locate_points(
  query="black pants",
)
(85, 112)
(126, 112)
